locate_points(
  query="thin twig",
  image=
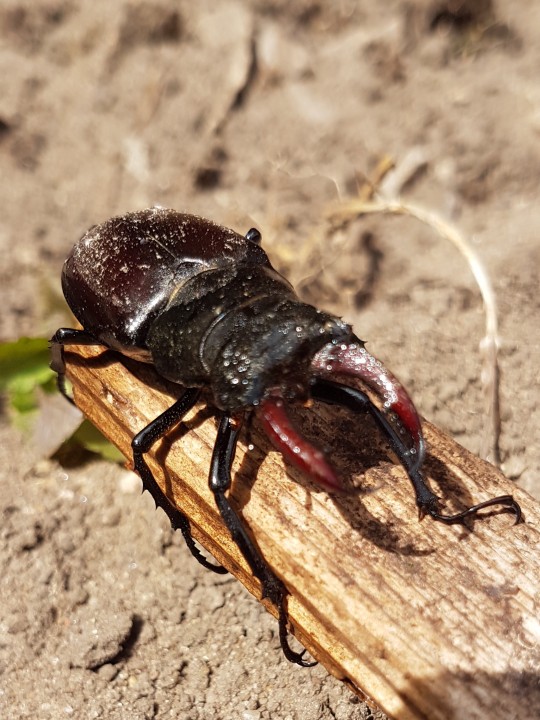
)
(489, 345)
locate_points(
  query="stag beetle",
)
(204, 305)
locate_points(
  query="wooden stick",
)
(426, 620)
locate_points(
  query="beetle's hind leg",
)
(66, 336)
(141, 443)
(220, 481)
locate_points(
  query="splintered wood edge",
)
(327, 558)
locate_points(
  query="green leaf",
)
(90, 438)
(24, 362)
(24, 367)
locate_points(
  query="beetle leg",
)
(141, 443)
(220, 481)
(294, 447)
(428, 503)
(504, 500)
(66, 336)
(353, 359)
(333, 393)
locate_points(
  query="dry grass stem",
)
(348, 210)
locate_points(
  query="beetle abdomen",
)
(122, 273)
(200, 301)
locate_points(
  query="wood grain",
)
(428, 621)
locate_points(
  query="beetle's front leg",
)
(334, 393)
(220, 481)
(428, 503)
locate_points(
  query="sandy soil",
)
(252, 113)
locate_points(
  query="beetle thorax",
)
(243, 335)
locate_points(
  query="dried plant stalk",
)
(429, 621)
(348, 210)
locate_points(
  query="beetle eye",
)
(253, 235)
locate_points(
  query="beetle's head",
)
(270, 352)
(278, 353)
